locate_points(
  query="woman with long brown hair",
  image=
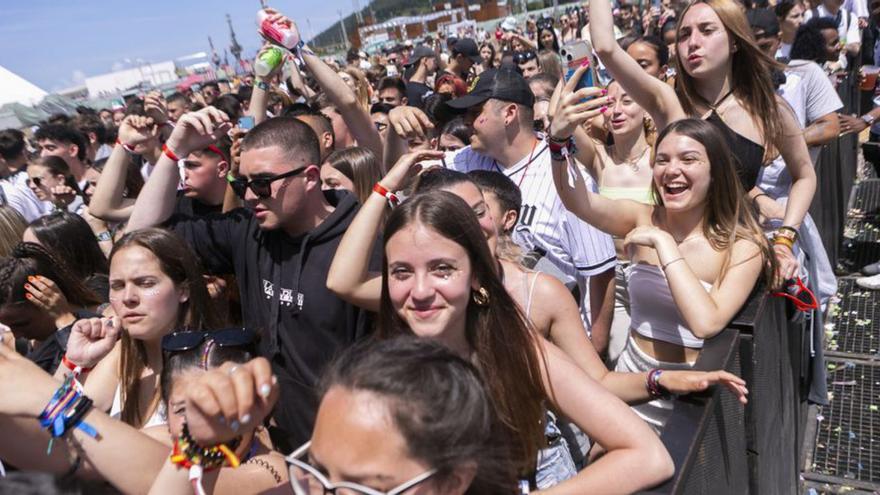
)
(723, 77)
(696, 254)
(440, 281)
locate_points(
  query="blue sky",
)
(56, 44)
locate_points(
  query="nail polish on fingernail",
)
(246, 419)
(28, 296)
(265, 389)
(30, 278)
(235, 425)
(604, 92)
(603, 109)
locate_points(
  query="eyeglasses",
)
(189, 339)
(36, 181)
(261, 186)
(799, 294)
(305, 479)
(523, 57)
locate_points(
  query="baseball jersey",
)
(573, 247)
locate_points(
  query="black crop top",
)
(748, 155)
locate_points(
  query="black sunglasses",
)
(523, 57)
(188, 339)
(261, 186)
(37, 181)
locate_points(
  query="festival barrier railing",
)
(721, 447)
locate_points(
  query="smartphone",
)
(246, 123)
(573, 56)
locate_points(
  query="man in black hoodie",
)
(280, 247)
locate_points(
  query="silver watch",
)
(868, 118)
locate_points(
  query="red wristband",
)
(392, 198)
(170, 154)
(129, 148)
(77, 370)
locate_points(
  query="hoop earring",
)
(481, 297)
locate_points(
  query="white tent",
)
(14, 89)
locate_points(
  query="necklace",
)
(633, 163)
(526, 168)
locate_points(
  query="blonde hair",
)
(12, 227)
(363, 91)
(752, 81)
(360, 166)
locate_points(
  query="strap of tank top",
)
(718, 103)
(531, 292)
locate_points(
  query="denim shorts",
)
(555, 464)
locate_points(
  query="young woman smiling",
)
(725, 78)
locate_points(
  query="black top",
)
(47, 354)
(190, 207)
(748, 156)
(284, 295)
(416, 93)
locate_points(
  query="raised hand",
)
(407, 166)
(410, 123)
(222, 400)
(63, 194)
(45, 294)
(137, 129)
(91, 339)
(156, 107)
(570, 111)
(686, 382)
(196, 130)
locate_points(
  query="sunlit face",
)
(391, 96)
(530, 68)
(832, 44)
(703, 44)
(646, 56)
(51, 147)
(177, 400)
(355, 439)
(41, 181)
(547, 39)
(176, 109)
(625, 116)
(488, 124)
(486, 53)
(472, 195)
(503, 221)
(331, 178)
(288, 200)
(793, 20)
(144, 298)
(118, 117)
(682, 172)
(429, 282)
(210, 94)
(205, 172)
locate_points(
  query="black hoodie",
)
(283, 285)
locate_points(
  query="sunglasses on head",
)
(523, 57)
(802, 297)
(261, 186)
(189, 339)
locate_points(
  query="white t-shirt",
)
(574, 247)
(16, 193)
(847, 28)
(811, 95)
(858, 8)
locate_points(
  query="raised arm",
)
(615, 217)
(586, 147)
(652, 94)
(107, 202)
(407, 123)
(260, 95)
(193, 131)
(349, 276)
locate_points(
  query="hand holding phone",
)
(246, 122)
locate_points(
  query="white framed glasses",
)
(305, 479)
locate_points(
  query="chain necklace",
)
(633, 163)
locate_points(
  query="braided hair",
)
(29, 259)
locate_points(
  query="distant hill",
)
(383, 9)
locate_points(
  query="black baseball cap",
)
(468, 48)
(500, 84)
(419, 53)
(765, 20)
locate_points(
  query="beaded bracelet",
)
(187, 454)
(652, 383)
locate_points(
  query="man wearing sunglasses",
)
(527, 62)
(279, 246)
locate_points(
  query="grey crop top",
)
(653, 311)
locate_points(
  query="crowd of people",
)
(448, 267)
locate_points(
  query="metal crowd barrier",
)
(721, 447)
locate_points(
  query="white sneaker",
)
(872, 282)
